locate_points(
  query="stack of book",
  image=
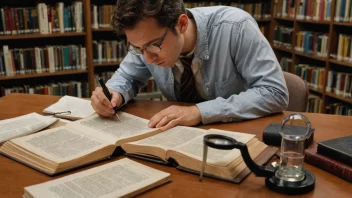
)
(333, 156)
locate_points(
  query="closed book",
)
(339, 149)
(330, 165)
(272, 136)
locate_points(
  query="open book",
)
(184, 146)
(23, 125)
(94, 138)
(122, 178)
(70, 107)
(78, 143)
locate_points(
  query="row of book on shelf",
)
(284, 8)
(72, 88)
(307, 42)
(41, 59)
(101, 16)
(43, 18)
(283, 37)
(317, 10)
(312, 74)
(315, 105)
(339, 83)
(312, 43)
(109, 51)
(344, 52)
(343, 11)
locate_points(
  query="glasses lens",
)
(153, 49)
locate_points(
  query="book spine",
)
(334, 154)
(329, 166)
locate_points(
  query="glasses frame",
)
(146, 47)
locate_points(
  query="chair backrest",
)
(298, 92)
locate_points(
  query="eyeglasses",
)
(151, 48)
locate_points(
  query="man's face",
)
(148, 32)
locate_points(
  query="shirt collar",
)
(201, 49)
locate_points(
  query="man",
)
(232, 73)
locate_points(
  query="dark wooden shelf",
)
(310, 56)
(263, 20)
(343, 23)
(282, 48)
(340, 62)
(107, 64)
(284, 18)
(316, 89)
(103, 30)
(60, 73)
(330, 94)
(313, 21)
(36, 36)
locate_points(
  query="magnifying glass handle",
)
(205, 153)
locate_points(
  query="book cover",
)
(339, 149)
(330, 165)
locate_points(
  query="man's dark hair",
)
(128, 13)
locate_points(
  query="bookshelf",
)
(44, 54)
(307, 17)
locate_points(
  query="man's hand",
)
(176, 115)
(102, 105)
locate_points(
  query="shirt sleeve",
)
(255, 60)
(129, 77)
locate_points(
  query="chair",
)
(298, 92)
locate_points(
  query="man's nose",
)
(149, 57)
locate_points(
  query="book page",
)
(194, 148)
(79, 108)
(23, 125)
(60, 144)
(172, 138)
(60, 122)
(115, 179)
(111, 130)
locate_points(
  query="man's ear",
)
(182, 23)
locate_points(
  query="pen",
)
(108, 95)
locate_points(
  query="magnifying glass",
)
(289, 178)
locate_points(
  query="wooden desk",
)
(15, 176)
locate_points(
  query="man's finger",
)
(156, 119)
(170, 125)
(103, 99)
(166, 119)
(100, 108)
(116, 99)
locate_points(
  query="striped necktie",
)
(188, 92)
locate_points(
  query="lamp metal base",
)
(291, 188)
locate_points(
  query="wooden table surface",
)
(15, 176)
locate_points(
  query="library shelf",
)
(38, 36)
(107, 64)
(348, 64)
(310, 56)
(333, 95)
(59, 73)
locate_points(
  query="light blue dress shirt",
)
(241, 77)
